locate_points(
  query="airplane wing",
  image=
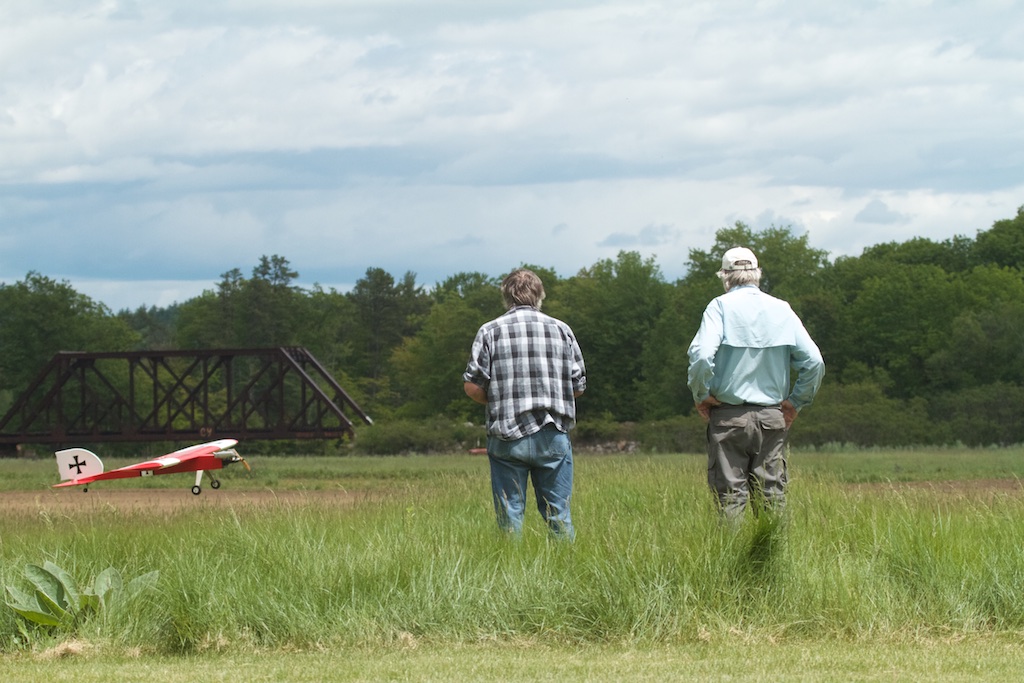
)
(181, 456)
(200, 450)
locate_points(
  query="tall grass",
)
(652, 563)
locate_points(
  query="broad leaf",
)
(107, 585)
(27, 606)
(43, 618)
(19, 597)
(74, 599)
(90, 602)
(47, 604)
(49, 590)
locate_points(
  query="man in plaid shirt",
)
(527, 368)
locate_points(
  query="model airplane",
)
(81, 467)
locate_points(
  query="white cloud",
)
(189, 138)
(120, 295)
(876, 211)
(648, 236)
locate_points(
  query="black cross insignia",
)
(76, 466)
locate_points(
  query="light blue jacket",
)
(747, 344)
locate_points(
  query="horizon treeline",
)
(923, 340)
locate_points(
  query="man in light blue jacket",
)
(740, 363)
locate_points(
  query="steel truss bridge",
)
(273, 393)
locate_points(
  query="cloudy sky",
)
(147, 147)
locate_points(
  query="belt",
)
(747, 405)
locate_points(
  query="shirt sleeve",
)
(806, 360)
(478, 369)
(703, 350)
(579, 368)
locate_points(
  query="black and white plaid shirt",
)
(531, 367)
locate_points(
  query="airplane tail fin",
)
(75, 463)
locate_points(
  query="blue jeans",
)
(546, 457)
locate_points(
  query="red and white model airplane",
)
(81, 467)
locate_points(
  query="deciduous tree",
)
(612, 307)
(40, 316)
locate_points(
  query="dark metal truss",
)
(276, 393)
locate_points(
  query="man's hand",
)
(789, 412)
(705, 406)
(475, 392)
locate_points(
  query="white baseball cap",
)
(739, 258)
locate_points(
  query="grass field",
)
(889, 565)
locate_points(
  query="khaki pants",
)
(746, 456)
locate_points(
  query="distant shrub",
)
(592, 431)
(403, 436)
(857, 415)
(861, 414)
(981, 416)
(682, 434)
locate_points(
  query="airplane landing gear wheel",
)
(196, 490)
(215, 483)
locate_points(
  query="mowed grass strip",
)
(736, 658)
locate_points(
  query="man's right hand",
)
(475, 392)
(705, 406)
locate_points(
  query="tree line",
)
(923, 340)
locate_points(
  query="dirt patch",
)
(163, 501)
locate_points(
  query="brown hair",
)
(522, 287)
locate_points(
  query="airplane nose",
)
(231, 456)
(237, 458)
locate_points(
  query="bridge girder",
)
(178, 395)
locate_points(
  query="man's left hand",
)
(789, 413)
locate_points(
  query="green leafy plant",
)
(57, 601)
